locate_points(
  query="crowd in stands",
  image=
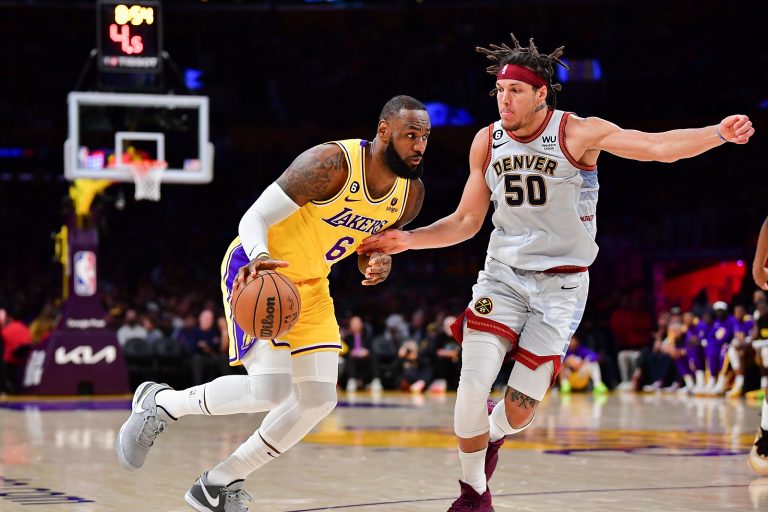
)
(717, 349)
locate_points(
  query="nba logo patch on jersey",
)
(85, 273)
(484, 305)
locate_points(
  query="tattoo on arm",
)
(525, 401)
(314, 175)
(335, 162)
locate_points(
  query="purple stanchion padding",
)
(76, 362)
(82, 356)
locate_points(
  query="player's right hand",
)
(390, 241)
(737, 129)
(252, 269)
(760, 275)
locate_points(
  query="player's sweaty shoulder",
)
(315, 175)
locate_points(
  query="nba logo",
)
(85, 273)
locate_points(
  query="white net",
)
(147, 176)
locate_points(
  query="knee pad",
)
(268, 390)
(500, 420)
(470, 416)
(316, 399)
(234, 394)
(482, 355)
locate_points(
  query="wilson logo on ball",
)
(268, 322)
(267, 306)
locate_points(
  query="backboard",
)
(108, 131)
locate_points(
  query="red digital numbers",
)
(122, 34)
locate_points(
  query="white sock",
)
(248, 457)
(473, 467)
(764, 416)
(688, 381)
(184, 402)
(763, 382)
(700, 381)
(739, 382)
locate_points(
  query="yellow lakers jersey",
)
(321, 233)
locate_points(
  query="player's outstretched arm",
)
(601, 135)
(461, 225)
(317, 174)
(376, 266)
(759, 272)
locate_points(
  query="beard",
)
(526, 120)
(399, 166)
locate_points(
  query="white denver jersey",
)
(544, 200)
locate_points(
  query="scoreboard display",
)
(129, 36)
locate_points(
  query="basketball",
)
(267, 306)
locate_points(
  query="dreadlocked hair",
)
(542, 64)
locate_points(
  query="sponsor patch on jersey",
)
(484, 305)
(549, 143)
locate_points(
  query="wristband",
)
(717, 131)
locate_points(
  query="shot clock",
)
(129, 36)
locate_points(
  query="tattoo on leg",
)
(525, 401)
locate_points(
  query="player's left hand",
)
(737, 129)
(379, 267)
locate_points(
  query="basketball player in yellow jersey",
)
(330, 198)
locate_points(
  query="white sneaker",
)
(376, 386)
(418, 386)
(652, 388)
(146, 422)
(625, 386)
(671, 389)
(438, 386)
(351, 386)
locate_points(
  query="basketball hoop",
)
(147, 175)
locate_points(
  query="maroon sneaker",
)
(471, 501)
(492, 454)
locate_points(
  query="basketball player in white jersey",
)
(758, 455)
(537, 165)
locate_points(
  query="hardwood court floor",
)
(396, 452)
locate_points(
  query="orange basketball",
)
(267, 306)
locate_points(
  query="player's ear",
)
(541, 93)
(383, 130)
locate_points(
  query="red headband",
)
(515, 72)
